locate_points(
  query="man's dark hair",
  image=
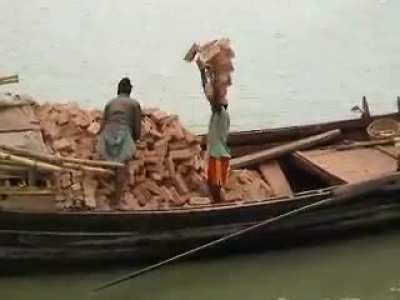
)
(124, 86)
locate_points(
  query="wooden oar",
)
(339, 194)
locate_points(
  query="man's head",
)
(124, 86)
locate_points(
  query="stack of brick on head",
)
(214, 60)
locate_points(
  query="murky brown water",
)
(297, 62)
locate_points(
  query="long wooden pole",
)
(60, 159)
(29, 162)
(268, 154)
(339, 194)
(52, 167)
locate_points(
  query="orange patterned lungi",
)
(218, 171)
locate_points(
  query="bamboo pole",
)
(95, 163)
(49, 166)
(80, 167)
(60, 160)
(13, 168)
(26, 192)
(29, 162)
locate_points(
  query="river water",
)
(298, 61)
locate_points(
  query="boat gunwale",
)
(355, 123)
(323, 192)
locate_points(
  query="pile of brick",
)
(167, 171)
(71, 131)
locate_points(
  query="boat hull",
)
(140, 236)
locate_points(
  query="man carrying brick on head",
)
(214, 60)
(217, 137)
(120, 130)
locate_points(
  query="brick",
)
(180, 184)
(153, 203)
(189, 137)
(50, 129)
(198, 163)
(167, 121)
(154, 167)
(81, 119)
(244, 178)
(64, 180)
(152, 187)
(130, 202)
(155, 133)
(188, 163)
(195, 179)
(131, 177)
(181, 154)
(102, 203)
(156, 176)
(157, 115)
(178, 145)
(166, 193)
(161, 146)
(94, 128)
(76, 187)
(178, 131)
(199, 200)
(162, 142)
(233, 195)
(95, 115)
(177, 200)
(70, 130)
(171, 167)
(44, 110)
(183, 169)
(63, 117)
(140, 197)
(140, 178)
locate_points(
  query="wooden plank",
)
(304, 162)
(273, 153)
(350, 166)
(272, 173)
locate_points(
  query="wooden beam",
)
(273, 153)
(272, 173)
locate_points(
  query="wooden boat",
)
(31, 232)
